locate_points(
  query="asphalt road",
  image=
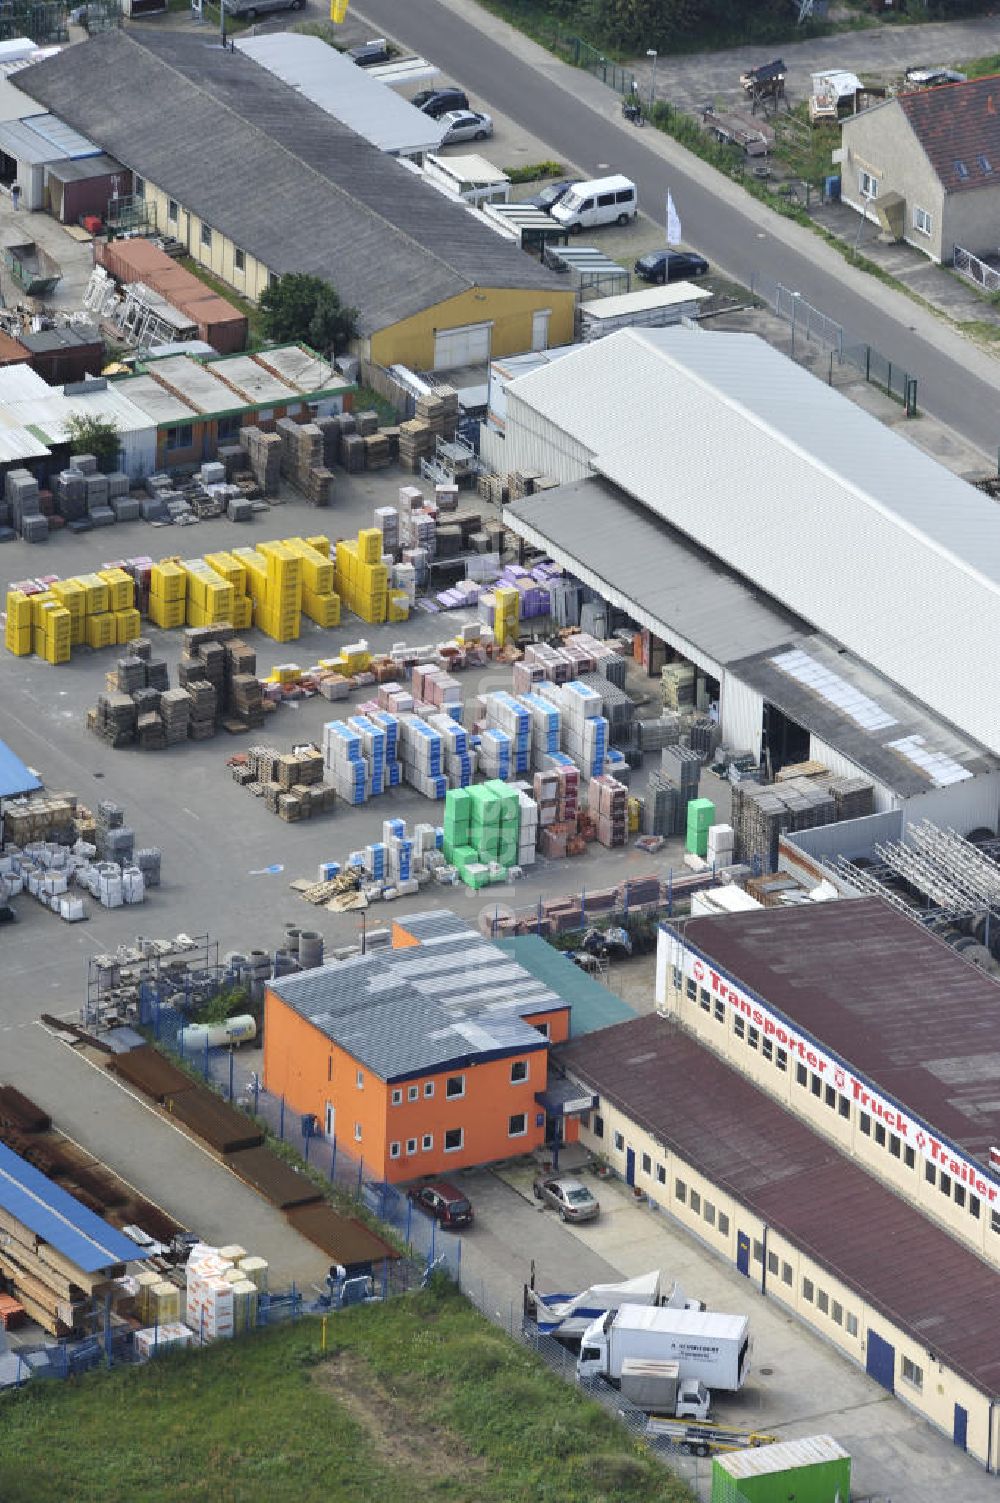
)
(728, 236)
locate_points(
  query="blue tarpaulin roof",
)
(57, 1218)
(14, 776)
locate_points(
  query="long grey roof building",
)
(283, 179)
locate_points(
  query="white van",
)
(606, 200)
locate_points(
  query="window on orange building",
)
(428, 1088)
(454, 1087)
(518, 1071)
(360, 1079)
(397, 1097)
(517, 1125)
(542, 1028)
(411, 1145)
(394, 1150)
(427, 1142)
(357, 1132)
(454, 1139)
(413, 1093)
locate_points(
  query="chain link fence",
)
(509, 1315)
(812, 326)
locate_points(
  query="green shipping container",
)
(700, 813)
(814, 1470)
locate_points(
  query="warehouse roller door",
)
(468, 345)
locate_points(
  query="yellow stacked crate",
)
(229, 568)
(362, 578)
(102, 630)
(128, 625)
(320, 602)
(255, 566)
(321, 544)
(282, 612)
(17, 637)
(52, 634)
(506, 614)
(97, 594)
(209, 598)
(121, 589)
(399, 606)
(73, 596)
(167, 593)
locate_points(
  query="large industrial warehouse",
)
(868, 1027)
(827, 579)
(812, 1230)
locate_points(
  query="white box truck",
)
(712, 1347)
(568, 1316)
(659, 1388)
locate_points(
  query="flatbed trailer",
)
(702, 1439)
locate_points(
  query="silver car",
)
(465, 125)
(569, 1197)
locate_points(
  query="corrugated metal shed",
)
(323, 199)
(930, 1286)
(15, 777)
(804, 493)
(80, 169)
(643, 300)
(43, 138)
(884, 994)
(54, 1216)
(452, 998)
(783, 1456)
(331, 80)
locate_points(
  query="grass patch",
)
(981, 67)
(367, 397)
(255, 318)
(981, 329)
(533, 172)
(417, 1399)
(805, 149)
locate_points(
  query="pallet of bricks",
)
(557, 795)
(762, 814)
(130, 708)
(290, 783)
(303, 460)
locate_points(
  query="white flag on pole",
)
(673, 222)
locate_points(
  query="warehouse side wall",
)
(787, 1274)
(823, 1097)
(509, 310)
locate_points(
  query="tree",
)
(304, 309)
(94, 435)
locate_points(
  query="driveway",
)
(877, 53)
(799, 1385)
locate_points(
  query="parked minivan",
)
(605, 200)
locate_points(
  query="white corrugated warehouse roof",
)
(349, 93)
(802, 492)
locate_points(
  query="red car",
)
(444, 1202)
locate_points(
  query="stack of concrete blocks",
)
(263, 451)
(344, 762)
(423, 753)
(460, 757)
(404, 577)
(436, 689)
(394, 698)
(683, 767)
(69, 494)
(609, 809)
(302, 460)
(720, 848)
(496, 757)
(21, 494)
(126, 507)
(546, 728)
(379, 732)
(401, 858)
(209, 1294)
(417, 521)
(503, 712)
(527, 835)
(115, 839)
(95, 488)
(386, 519)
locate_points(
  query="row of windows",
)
(454, 1139)
(838, 1102)
(454, 1087)
(701, 1206)
(825, 1304)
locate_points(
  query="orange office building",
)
(421, 1059)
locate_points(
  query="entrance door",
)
(630, 1166)
(881, 1362)
(329, 1120)
(743, 1254)
(961, 1427)
(468, 345)
(540, 329)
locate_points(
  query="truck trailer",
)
(711, 1347)
(568, 1316)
